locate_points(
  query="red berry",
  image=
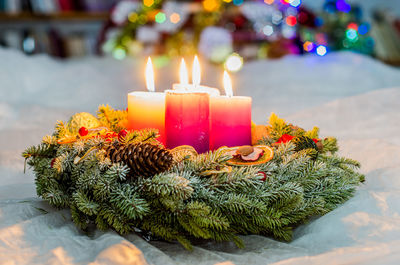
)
(83, 131)
(122, 134)
(52, 162)
(262, 174)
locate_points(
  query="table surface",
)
(347, 95)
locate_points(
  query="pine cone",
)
(304, 142)
(143, 159)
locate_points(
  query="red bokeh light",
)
(352, 26)
(291, 20)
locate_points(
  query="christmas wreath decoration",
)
(127, 181)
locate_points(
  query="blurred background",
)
(224, 32)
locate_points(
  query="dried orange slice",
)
(264, 158)
(183, 152)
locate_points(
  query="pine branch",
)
(168, 185)
(85, 204)
(43, 150)
(330, 145)
(142, 136)
(115, 219)
(128, 202)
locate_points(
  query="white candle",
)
(196, 77)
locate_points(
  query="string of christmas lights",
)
(229, 32)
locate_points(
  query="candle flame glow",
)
(149, 76)
(183, 73)
(228, 84)
(196, 71)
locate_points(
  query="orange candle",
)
(230, 119)
(147, 109)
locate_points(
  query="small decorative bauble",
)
(263, 175)
(122, 134)
(82, 119)
(143, 159)
(83, 131)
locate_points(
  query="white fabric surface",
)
(349, 96)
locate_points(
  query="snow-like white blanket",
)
(349, 96)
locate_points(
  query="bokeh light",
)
(133, 17)
(269, 2)
(321, 50)
(363, 29)
(148, 3)
(343, 6)
(210, 5)
(351, 34)
(277, 17)
(295, 3)
(119, 53)
(291, 20)
(234, 62)
(160, 17)
(308, 46)
(174, 18)
(352, 26)
(268, 30)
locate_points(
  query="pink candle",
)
(187, 119)
(230, 119)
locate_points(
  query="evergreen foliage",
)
(195, 198)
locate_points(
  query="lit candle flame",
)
(183, 73)
(149, 76)
(228, 84)
(196, 71)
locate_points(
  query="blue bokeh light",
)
(363, 29)
(343, 6)
(237, 2)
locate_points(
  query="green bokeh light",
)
(160, 17)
